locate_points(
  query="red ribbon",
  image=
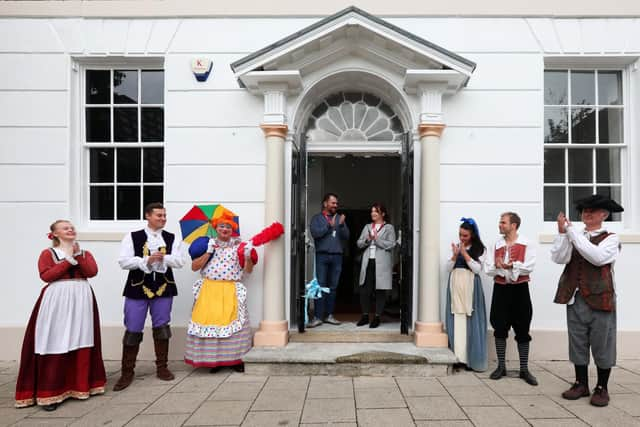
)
(50, 236)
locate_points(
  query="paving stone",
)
(9, 416)
(172, 403)
(329, 425)
(379, 398)
(565, 422)
(281, 400)
(244, 378)
(287, 383)
(148, 380)
(373, 382)
(158, 420)
(451, 423)
(329, 411)
(475, 396)
(421, 387)
(330, 388)
(631, 365)
(494, 416)
(74, 408)
(435, 408)
(198, 384)
(272, 419)
(236, 391)
(460, 379)
(607, 416)
(48, 422)
(537, 407)
(399, 417)
(109, 414)
(219, 413)
(138, 394)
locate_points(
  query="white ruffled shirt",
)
(128, 260)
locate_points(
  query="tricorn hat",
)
(598, 201)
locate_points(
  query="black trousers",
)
(369, 288)
(511, 308)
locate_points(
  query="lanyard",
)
(376, 230)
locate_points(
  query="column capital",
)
(279, 130)
(430, 129)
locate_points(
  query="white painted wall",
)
(491, 152)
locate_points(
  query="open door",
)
(406, 235)
(298, 229)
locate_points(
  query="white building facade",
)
(438, 117)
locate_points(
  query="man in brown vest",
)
(586, 286)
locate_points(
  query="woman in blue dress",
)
(466, 316)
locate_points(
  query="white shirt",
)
(604, 253)
(518, 268)
(128, 260)
(474, 266)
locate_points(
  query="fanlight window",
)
(353, 116)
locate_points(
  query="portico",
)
(412, 76)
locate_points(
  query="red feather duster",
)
(270, 233)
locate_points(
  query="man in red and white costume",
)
(510, 262)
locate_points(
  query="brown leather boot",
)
(162, 352)
(129, 355)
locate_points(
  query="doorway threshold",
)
(387, 332)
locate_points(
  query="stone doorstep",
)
(350, 359)
(380, 336)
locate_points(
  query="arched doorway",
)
(354, 143)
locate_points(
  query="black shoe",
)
(528, 378)
(498, 373)
(363, 320)
(51, 407)
(214, 369)
(375, 322)
(238, 368)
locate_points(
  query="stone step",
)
(349, 359)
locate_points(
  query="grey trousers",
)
(593, 329)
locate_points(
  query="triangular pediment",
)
(350, 32)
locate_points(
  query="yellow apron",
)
(217, 303)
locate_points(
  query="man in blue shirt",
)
(328, 230)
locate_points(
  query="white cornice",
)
(287, 81)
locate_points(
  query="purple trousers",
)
(135, 312)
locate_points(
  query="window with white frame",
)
(583, 137)
(123, 140)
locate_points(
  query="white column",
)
(273, 329)
(428, 328)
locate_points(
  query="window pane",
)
(609, 88)
(580, 166)
(610, 126)
(125, 87)
(556, 122)
(153, 164)
(153, 87)
(583, 126)
(98, 124)
(583, 88)
(128, 165)
(553, 202)
(614, 193)
(152, 193)
(608, 165)
(129, 202)
(152, 124)
(125, 126)
(556, 87)
(101, 202)
(553, 165)
(101, 165)
(577, 193)
(97, 87)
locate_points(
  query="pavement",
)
(198, 398)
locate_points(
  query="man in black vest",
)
(587, 287)
(149, 255)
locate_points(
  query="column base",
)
(430, 335)
(272, 334)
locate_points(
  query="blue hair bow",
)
(472, 223)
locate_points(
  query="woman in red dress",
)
(62, 353)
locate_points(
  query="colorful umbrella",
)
(197, 222)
